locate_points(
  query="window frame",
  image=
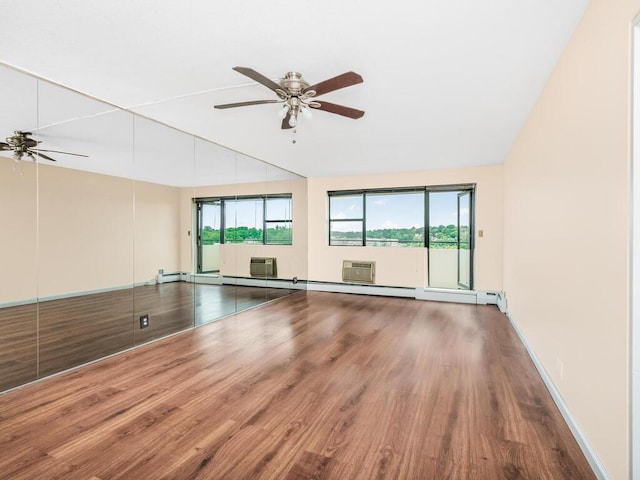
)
(471, 187)
(262, 197)
(363, 220)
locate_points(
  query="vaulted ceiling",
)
(446, 83)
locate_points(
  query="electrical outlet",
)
(144, 321)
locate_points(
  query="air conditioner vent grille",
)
(263, 267)
(358, 272)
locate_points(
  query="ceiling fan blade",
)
(244, 104)
(339, 110)
(5, 146)
(285, 122)
(57, 151)
(258, 77)
(46, 157)
(341, 81)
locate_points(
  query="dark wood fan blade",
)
(46, 157)
(5, 146)
(285, 122)
(341, 81)
(258, 77)
(57, 151)
(244, 104)
(339, 109)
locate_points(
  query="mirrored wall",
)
(104, 233)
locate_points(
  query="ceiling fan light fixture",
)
(297, 94)
(283, 111)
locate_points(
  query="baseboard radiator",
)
(263, 267)
(358, 271)
(172, 277)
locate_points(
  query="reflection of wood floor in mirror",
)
(77, 330)
(311, 386)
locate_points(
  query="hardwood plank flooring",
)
(312, 386)
(39, 340)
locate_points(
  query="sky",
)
(401, 210)
(247, 212)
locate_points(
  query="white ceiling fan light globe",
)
(283, 111)
(307, 112)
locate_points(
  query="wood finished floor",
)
(73, 331)
(312, 386)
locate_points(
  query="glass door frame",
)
(469, 188)
(199, 203)
(461, 284)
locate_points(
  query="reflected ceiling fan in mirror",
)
(298, 95)
(21, 144)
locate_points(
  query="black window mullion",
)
(364, 219)
(427, 232)
(223, 222)
(264, 220)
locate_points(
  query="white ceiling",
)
(446, 83)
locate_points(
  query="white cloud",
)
(380, 201)
(339, 215)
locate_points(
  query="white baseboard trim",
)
(86, 292)
(265, 282)
(19, 303)
(446, 295)
(205, 279)
(585, 446)
(361, 289)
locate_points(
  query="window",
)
(379, 218)
(395, 219)
(346, 224)
(277, 221)
(258, 219)
(243, 220)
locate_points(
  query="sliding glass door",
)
(450, 239)
(464, 240)
(208, 236)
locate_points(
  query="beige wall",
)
(566, 202)
(157, 237)
(73, 231)
(406, 267)
(18, 240)
(234, 259)
(85, 231)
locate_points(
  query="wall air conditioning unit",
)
(263, 267)
(358, 271)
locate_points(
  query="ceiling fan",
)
(299, 96)
(21, 144)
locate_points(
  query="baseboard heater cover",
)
(172, 277)
(361, 289)
(265, 282)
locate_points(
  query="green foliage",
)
(278, 235)
(439, 237)
(209, 236)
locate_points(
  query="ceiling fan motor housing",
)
(294, 83)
